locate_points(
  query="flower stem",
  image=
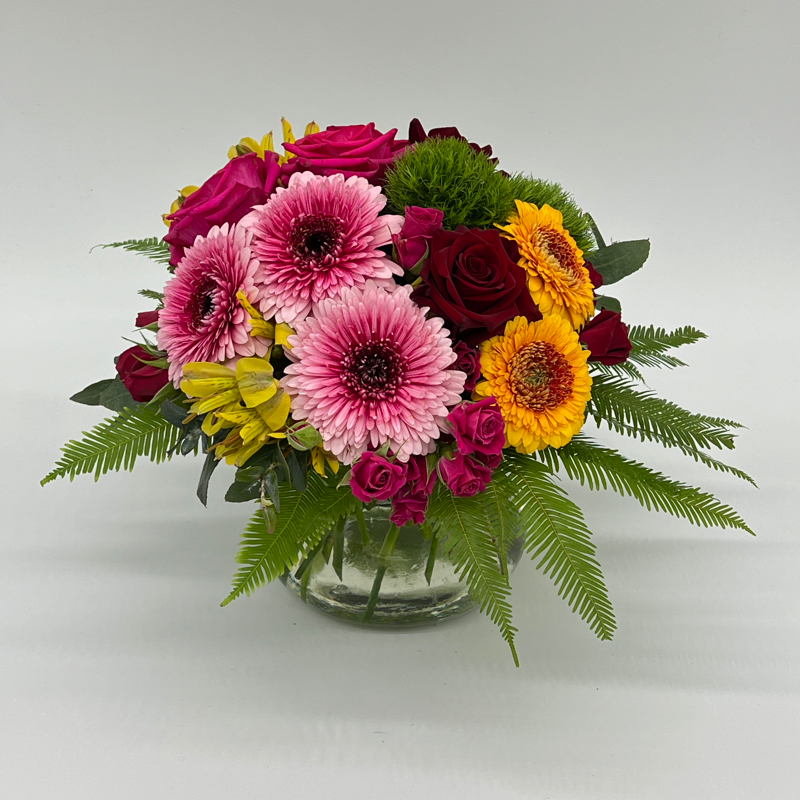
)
(362, 524)
(383, 561)
(431, 558)
(338, 548)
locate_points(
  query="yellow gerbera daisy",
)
(537, 372)
(557, 277)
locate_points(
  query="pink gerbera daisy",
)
(369, 368)
(316, 237)
(202, 320)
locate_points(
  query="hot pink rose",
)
(418, 229)
(375, 478)
(463, 476)
(349, 149)
(142, 380)
(606, 337)
(479, 427)
(468, 362)
(226, 196)
(411, 502)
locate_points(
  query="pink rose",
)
(418, 229)
(142, 380)
(226, 196)
(349, 149)
(479, 427)
(469, 362)
(375, 478)
(463, 476)
(606, 337)
(411, 502)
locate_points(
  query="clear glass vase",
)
(415, 588)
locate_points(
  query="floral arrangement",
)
(363, 319)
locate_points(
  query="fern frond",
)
(503, 523)
(625, 369)
(650, 344)
(116, 443)
(633, 412)
(303, 520)
(462, 526)
(600, 467)
(556, 534)
(154, 248)
(152, 295)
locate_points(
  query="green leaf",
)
(297, 470)
(627, 409)
(625, 369)
(305, 517)
(116, 397)
(239, 492)
(595, 230)
(462, 525)
(151, 294)
(600, 467)
(116, 443)
(154, 248)
(174, 413)
(90, 396)
(167, 392)
(650, 345)
(618, 260)
(209, 465)
(556, 534)
(611, 303)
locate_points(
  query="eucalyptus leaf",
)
(620, 259)
(269, 484)
(173, 413)
(297, 471)
(90, 396)
(166, 392)
(190, 440)
(280, 463)
(116, 396)
(209, 465)
(243, 492)
(249, 474)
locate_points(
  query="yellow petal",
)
(288, 136)
(275, 418)
(312, 127)
(215, 401)
(282, 332)
(187, 190)
(260, 327)
(254, 377)
(267, 143)
(318, 461)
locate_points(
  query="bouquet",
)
(363, 319)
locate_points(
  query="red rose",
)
(416, 133)
(594, 276)
(142, 380)
(226, 196)
(349, 149)
(375, 478)
(606, 337)
(463, 476)
(468, 360)
(411, 502)
(472, 279)
(145, 318)
(479, 427)
(414, 239)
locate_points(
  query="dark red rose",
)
(416, 133)
(145, 318)
(142, 380)
(492, 461)
(349, 149)
(606, 337)
(411, 502)
(479, 427)
(594, 276)
(472, 279)
(226, 196)
(463, 476)
(375, 478)
(469, 362)
(414, 239)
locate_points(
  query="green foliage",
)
(556, 534)
(449, 175)
(116, 444)
(631, 411)
(600, 467)
(626, 368)
(618, 260)
(541, 192)
(303, 520)
(154, 248)
(460, 524)
(152, 295)
(650, 344)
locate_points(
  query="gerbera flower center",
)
(315, 240)
(540, 377)
(558, 248)
(373, 370)
(201, 303)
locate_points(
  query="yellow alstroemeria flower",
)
(267, 143)
(318, 459)
(178, 202)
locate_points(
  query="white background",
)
(120, 675)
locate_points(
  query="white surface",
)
(120, 676)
